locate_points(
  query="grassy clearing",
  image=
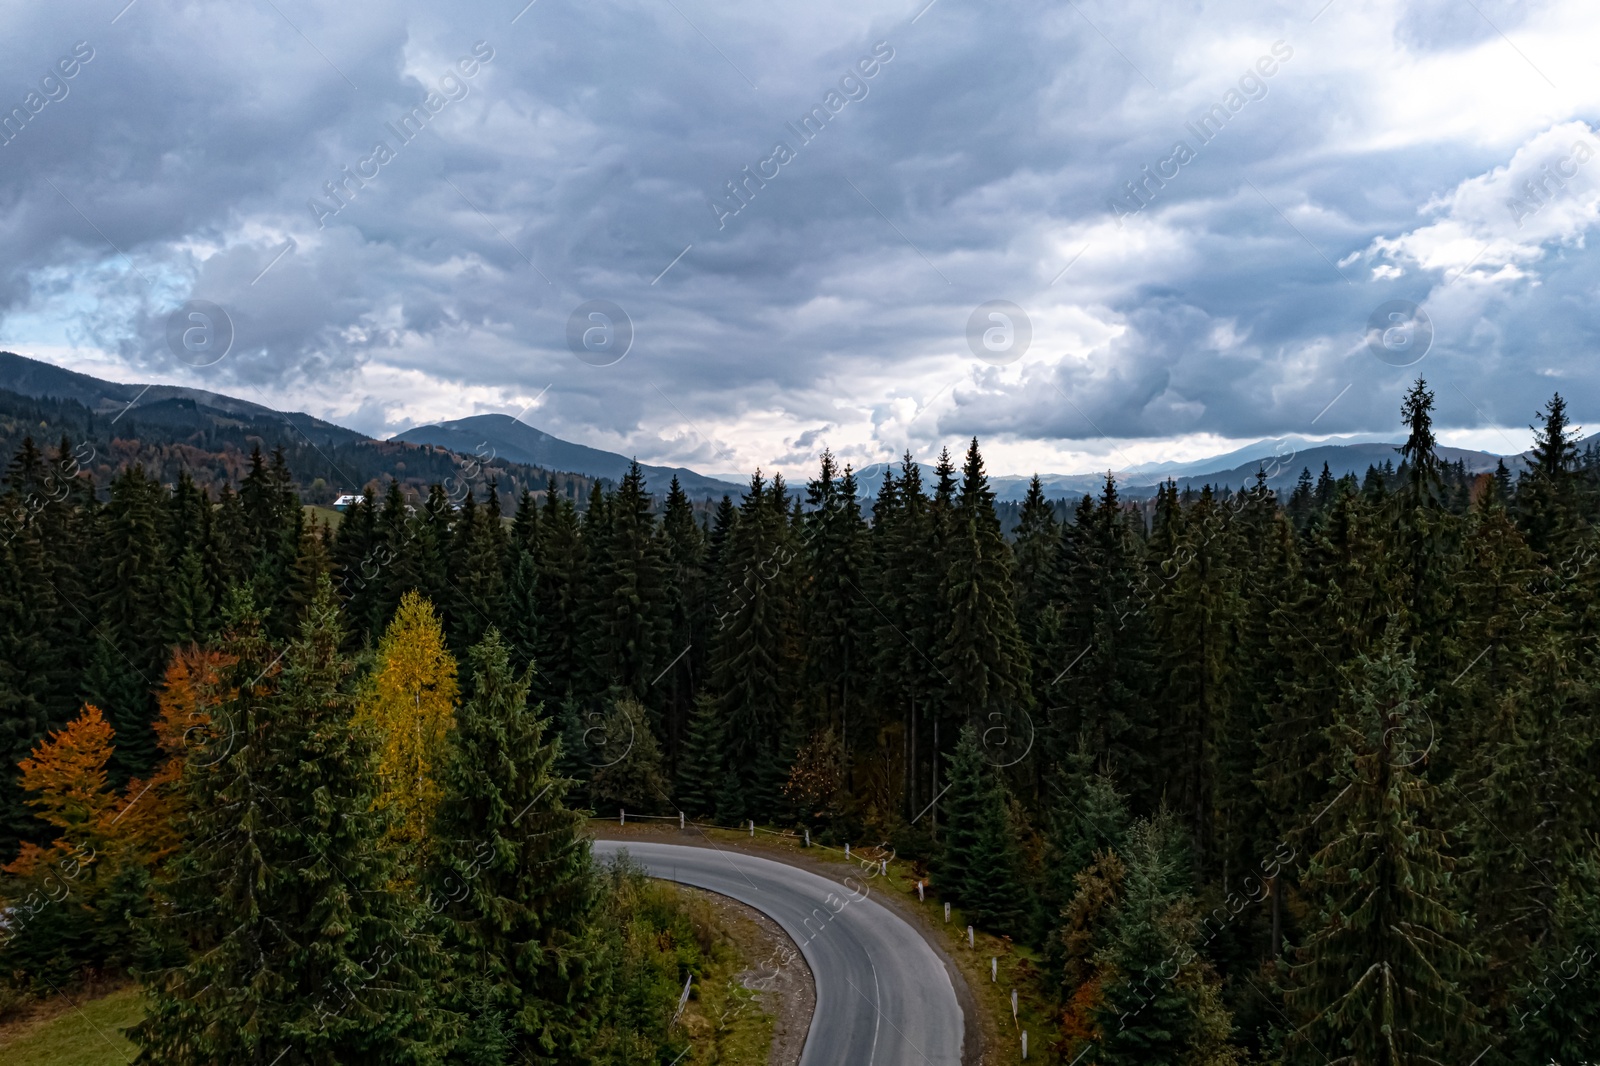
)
(89, 1034)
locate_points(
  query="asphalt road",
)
(883, 996)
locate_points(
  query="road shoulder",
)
(973, 1029)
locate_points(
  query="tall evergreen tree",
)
(1161, 1002)
(687, 620)
(628, 594)
(299, 947)
(755, 647)
(123, 669)
(1376, 979)
(979, 865)
(837, 621)
(512, 873)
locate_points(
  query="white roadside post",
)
(1013, 1004)
(947, 912)
(883, 867)
(994, 969)
(919, 892)
(752, 827)
(680, 821)
(1024, 1043)
(971, 942)
(808, 838)
(622, 816)
(847, 851)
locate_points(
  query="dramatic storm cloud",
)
(1199, 219)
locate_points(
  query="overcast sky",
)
(1293, 171)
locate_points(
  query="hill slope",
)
(520, 442)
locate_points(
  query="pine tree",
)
(1427, 541)
(837, 621)
(189, 604)
(1162, 1003)
(625, 768)
(39, 643)
(562, 571)
(905, 608)
(1376, 978)
(1196, 613)
(700, 769)
(979, 866)
(628, 594)
(1556, 1017)
(511, 875)
(982, 653)
(754, 648)
(475, 569)
(353, 548)
(1103, 667)
(299, 946)
(687, 619)
(124, 666)
(1546, 505)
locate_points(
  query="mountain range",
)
(332, 458)
(522, 443)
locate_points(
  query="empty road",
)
(883, 996)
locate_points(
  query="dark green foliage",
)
(628, 594)
(512, 875)
(1218, 653)
(687, 618)
(981, 654)
(754, 647)
(1102, 670)
(838, 621)
(1377, 977)
(1162, 1003)
(298, 937)
(979, 867)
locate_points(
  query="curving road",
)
(883, 996)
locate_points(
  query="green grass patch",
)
(89, 1034)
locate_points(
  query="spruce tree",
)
(1161, 1002)
(1196, 614)
(563, 566)
(979, 865)
(512, 875)
(1546, 503)
(1103, 666)
(476, 569)
(628, 594)
(700, 768)
(754, 647)
(122, 671)
(905, 611)
(1376, 977)
(299, 947)
(687, 620)
(982, 654)
(837, 621)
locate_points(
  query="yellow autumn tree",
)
(410, 702)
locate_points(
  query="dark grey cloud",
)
(585, 155)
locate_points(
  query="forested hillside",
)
(1312, 780)
(212, 446)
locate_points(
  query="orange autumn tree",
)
(192, 686)
(67, 775)
(410, 701)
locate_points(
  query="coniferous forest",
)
(1312, 780)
